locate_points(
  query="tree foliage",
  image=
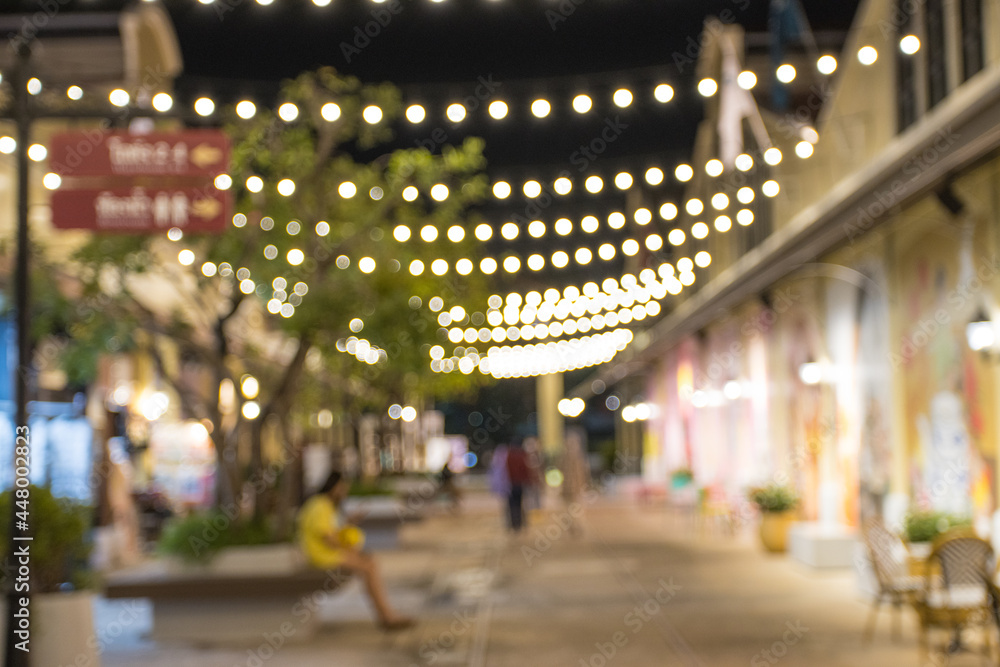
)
(276, 293)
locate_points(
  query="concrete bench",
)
(209, 607)
(381, 518)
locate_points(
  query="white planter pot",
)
(62, 628)
(921, 550)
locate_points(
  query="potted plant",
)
(60, 603)
(681, 477)
(922, 527)
(777, 504)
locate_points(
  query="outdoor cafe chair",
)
(956, 591)
(888, 556)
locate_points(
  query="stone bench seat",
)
(212, 607)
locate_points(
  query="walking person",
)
(499, 481)
(521, 477)
(329, 542)
(448, 487)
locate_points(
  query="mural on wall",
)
(839, 464)
(874, 391)
(944, 400)
(808, 418)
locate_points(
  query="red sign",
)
(118, 153)
(114, 181)
(141, 210)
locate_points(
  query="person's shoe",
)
(397, 624)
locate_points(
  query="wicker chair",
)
(957, 588)
(888, 558)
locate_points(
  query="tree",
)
(302, 269)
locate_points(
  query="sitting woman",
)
(328, 542)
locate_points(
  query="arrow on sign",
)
(204, 155)
(206, 209)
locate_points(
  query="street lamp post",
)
(16, 652)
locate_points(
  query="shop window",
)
(972, 38)
(937, 71)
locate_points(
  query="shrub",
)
(925, 525)
(198, 537)
(375, 487)
(60, 529)
(774, 498)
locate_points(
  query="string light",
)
(246, 109)
(162, 102)
(484, 232)
(623, 180)
(744, 162)
(37, 152)
(117, 97)
(455, 113)
(707, 87)
(288, 112)
(668, 211)
(540, 108)
(826, 64)
(622, 97)
(204, 106)
(785, 73)
(531, 189)
(746, 80)
(909, 44)
(498, 109)
(330, 112)
(415, 113)
(663, 93)
(439, 192)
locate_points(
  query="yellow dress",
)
(317, 520)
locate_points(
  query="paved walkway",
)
(628, 585)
